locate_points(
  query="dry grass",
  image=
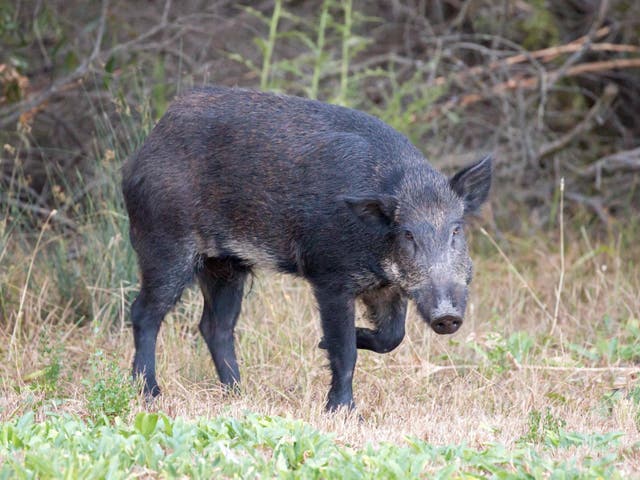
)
(468, 388)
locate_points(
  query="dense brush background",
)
(552, 87)
(552, 338)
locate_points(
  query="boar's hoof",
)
(334, 407)
(231, 390)
(150, 393)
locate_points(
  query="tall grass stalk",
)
(317, 66)
(271, 42)
(18, 320)
(556, 310)
(520, 277)
(346, 38)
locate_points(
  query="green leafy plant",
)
(333, 31)
(47, 378)
(110, 390)
(255, 446)
(620, 341)
(543, 427)
(499, 353)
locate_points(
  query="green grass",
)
(254, 446)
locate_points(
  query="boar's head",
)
(428, 256)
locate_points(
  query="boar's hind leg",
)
(337, 313)
(387, 309)
(161, 289)
(222, 284)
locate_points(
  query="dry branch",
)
(27, 108)
(529, 83)
(595, 203)
(625, 160)
(592, 116)
(545, 54)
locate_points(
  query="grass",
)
(501, 389)
(541, 378)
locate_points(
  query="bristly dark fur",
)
(230, 180)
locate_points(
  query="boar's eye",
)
(409, 242)
(456, 233)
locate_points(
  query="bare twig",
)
(100, 35)
(588, 39)
(602, 66)
(545, 55)
(592, 116)
(164, 22)
(11, 114)
(38, 34)
(625, 160)
(533, 82)
(595, 203)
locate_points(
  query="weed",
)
(46, 379)
(619, 341)
(543, 427)
(110, 390)
(501, 354)
(313, 71)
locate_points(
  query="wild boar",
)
(231, 180)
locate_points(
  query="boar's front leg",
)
(337, 313)
(387, 310)
(222, 285)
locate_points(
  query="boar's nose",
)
(446, 324)
(447, 315)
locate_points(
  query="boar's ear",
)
(472, 184)
(375, 210)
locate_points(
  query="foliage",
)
(518, 79)
(46, 379)
(253, 446)
(544, 427)
(499, 353)
(620, 341)
(110, 390)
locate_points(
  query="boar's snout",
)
(446, 324)
(442, 308)
(446, 317)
